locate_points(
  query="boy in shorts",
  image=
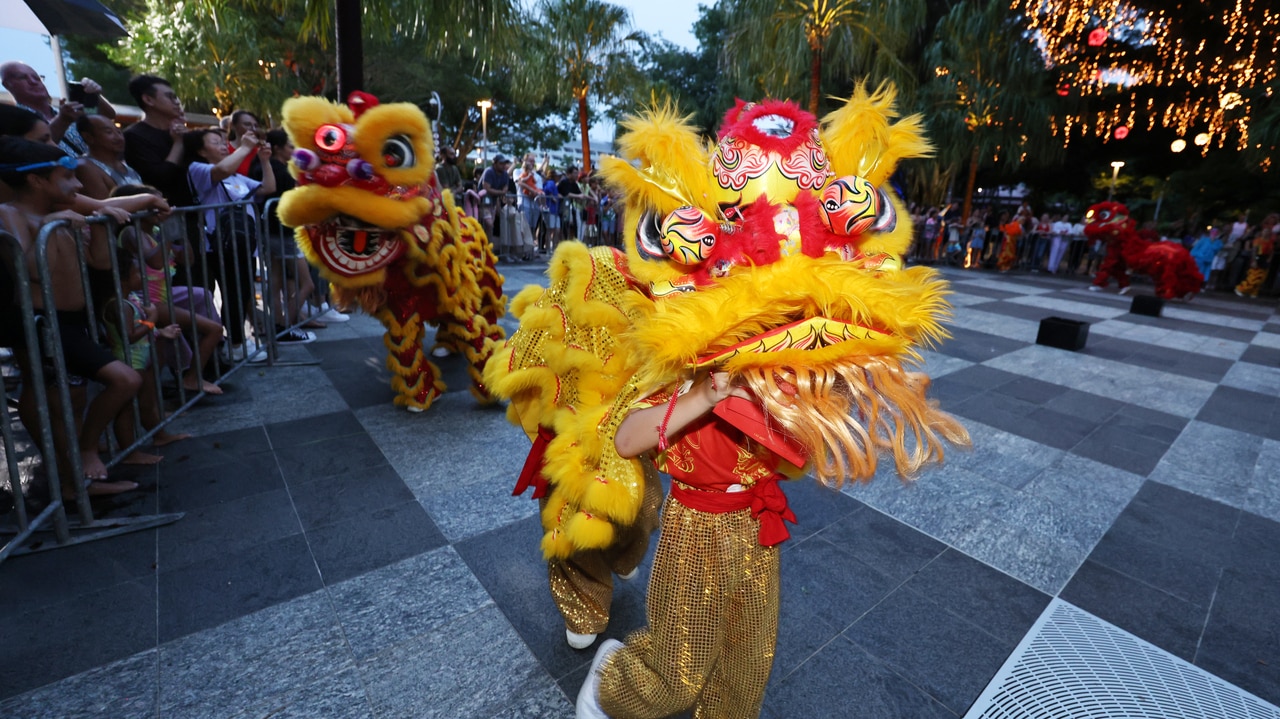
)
(44, 185)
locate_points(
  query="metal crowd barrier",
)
(40, 337)
(233, 266)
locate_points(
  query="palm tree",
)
(989, 94)
(778, 43)
(580, 47)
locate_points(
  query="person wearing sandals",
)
(291, 284)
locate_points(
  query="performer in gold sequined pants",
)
(582, 585)
(713, 617)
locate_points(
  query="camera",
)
(76, 93)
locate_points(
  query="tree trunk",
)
(815, 79)
(968, 188)
(586, 142)
(350, 47)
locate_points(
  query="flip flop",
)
(102, 488)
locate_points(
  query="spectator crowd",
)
(166, 262)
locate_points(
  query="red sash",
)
(765, 499)
(531, 475)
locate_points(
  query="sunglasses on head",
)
(67, 161)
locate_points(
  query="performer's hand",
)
(719, 385)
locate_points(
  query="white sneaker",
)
(630, 575)
(258, 356)
(1094, 288)
(1125, 290)
(579, 641)
(440, 351)
(588, 706)
(332, 315)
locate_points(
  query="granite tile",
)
(337, 498)
(1058, 306)
(214, 530)
(975, 346)
(231, 585)
(944, 503)
(1092, 492)
(883, 543)
(287, 393)
(475, 666)
(1196, 528)
(1260, 355)
(1242, 410)
(372, 540)
(349, 354)
(47, 644)
(999, 604)
(1254, 378)
(1028, 546)
(1160, 618)
(257, 656)
(187, 489)
(509, 563)
(821, 689)
(985, 322)
(800, 636)
(1236, 319)
(1158, 566)
(351, 456)
(404, 600)
(313, 429)
(363, 387)
(209, 449)
(1233, 452)
(541, 701)
(469, 509)
(1031, 390)
(1253, 546)
(337, 696)
(1086, 406)
(1003, 288)
(1170, 340)
(125, 688)
(1170, 393)
(946, 656)
(937, 364)
(1029, 314)
(1241, 642)
(816, 506)
(1003, 457)
(34, 581)
(1268, 338)
(449, 429)
(815, 571)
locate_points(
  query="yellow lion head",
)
(365, 178)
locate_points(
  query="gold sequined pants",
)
(1252, 281)
(713, 622)
(582, 585)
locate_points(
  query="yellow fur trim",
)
(859, 139)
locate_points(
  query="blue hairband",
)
(66, 161)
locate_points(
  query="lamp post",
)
(484, 131)
(1115, 172)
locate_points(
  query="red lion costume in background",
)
(1169, 264)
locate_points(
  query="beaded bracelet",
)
(662, 428)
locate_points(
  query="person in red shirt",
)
(711, 634)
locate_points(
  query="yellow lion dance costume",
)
(772, 255)
(370, 216)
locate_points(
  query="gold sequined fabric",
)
(713, 622)
(582, 584)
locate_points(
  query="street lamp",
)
(484, 131)
(1115, 172)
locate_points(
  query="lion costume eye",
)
(397, 152)
(330, 138)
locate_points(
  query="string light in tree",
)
(1188, 66)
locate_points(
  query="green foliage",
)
(89, 58)
(771, 44)
(225, 56)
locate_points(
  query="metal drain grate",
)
(1073, 665)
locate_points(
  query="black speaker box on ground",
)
(1146, 305)
(1063, 333)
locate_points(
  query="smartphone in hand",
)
(76, 93)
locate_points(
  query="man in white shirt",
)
(1060, 234)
